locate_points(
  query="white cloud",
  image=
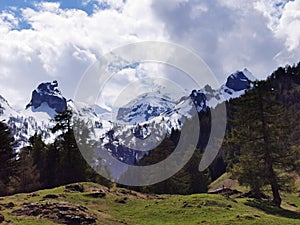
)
(284, 21)
(271, 9)
(48, 6)
(62, 43)
(289, 25)
(232, 34)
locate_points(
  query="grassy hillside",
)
(120, 206)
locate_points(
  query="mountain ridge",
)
(142, 115)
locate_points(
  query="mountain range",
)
(147, 116)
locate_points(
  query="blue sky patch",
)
(66, 4)
(14, 7)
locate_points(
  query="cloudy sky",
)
(58, 40)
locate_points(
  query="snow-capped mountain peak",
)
(144, 108)
(236, 85)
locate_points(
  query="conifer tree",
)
(259, 141)
(28, 174)
(39, 154)
(7, 158)
(50, 173)
(72, 165)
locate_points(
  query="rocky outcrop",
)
(48, 93)
(238, 81)
(59, 212)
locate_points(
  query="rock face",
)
(238, 81)
(48, 93)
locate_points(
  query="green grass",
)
(199, 209)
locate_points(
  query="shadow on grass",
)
(268, 208)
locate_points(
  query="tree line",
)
(41, 165)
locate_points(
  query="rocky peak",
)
(238, 81)
(48, 93)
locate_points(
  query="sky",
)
(59, 40)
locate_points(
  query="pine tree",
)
(7, 158)
(38, 152)
(259, 141)
(28, 174)
(72, 165)
(50, 172)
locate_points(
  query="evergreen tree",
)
(72, 165)
(50, 172)
(37, 150)
(39, 154)
(7, 158)
(28, 174)
(259, 141)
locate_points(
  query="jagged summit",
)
(239, 80)
(48, 94)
